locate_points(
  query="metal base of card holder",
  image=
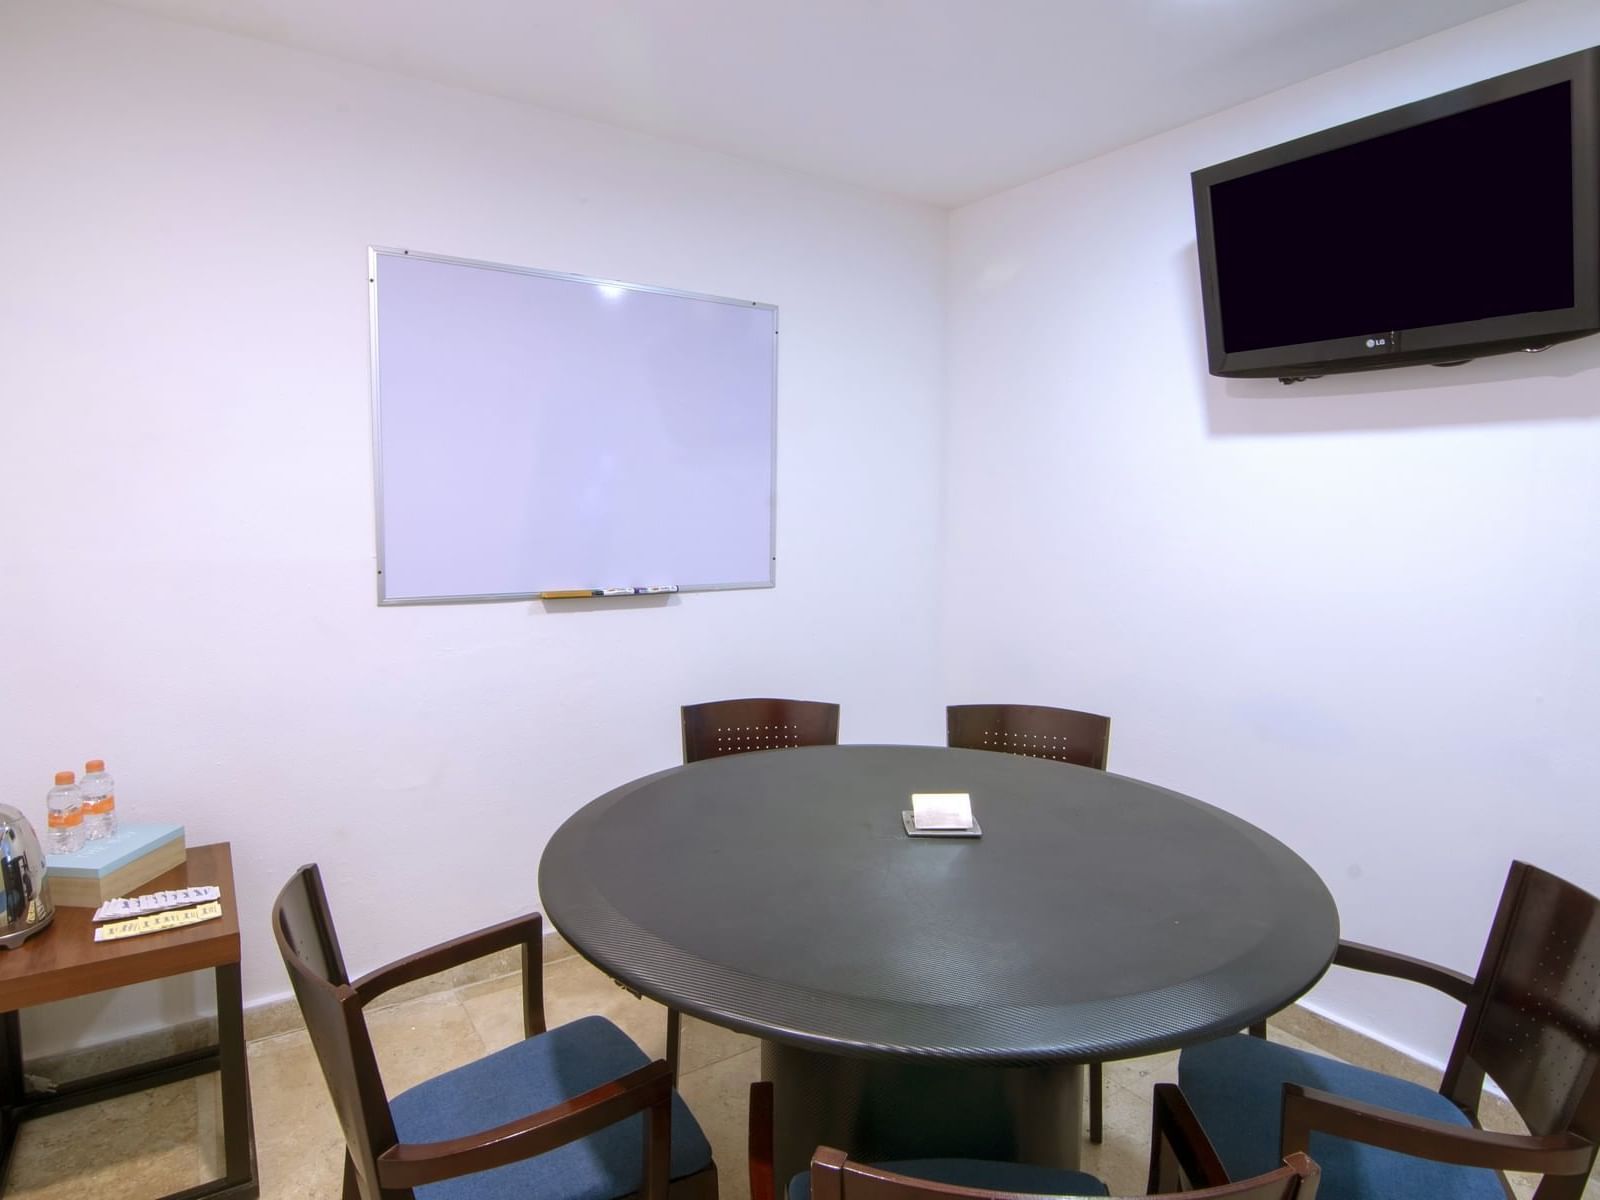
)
(909, 820)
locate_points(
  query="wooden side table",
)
(65, 961)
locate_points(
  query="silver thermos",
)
(22, 872)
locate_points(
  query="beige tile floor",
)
(152, 1143)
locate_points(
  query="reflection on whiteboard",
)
(538, 432)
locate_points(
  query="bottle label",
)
(102, 806)
(66, 818)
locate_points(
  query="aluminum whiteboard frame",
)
(377, 421)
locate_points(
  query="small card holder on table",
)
(909, 819)
(941, 814)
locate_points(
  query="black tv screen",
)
(1461, 225)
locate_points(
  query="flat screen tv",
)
(1463, 225)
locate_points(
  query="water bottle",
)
(65, 802)
(99, 802)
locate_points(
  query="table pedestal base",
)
(880, 1109)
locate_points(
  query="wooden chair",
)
(1532, 1024)
(738, 726)
(1180, 1157)
(575, 1111)
(1064, 734)
(1037, 731)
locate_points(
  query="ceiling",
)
(942, 101)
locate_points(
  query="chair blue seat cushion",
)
(526, 1078)
(1235, 1086)
(980, 1173)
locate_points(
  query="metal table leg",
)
(227, 1057)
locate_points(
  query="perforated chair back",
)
(1033, 730)
(740, 726)
(1533, 1024)
(310, 948)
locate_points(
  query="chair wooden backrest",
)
(1181, 1157)
(1034, 730)
(738, 726)
(332, 1010)
(834, 1176)
(1533, 1020)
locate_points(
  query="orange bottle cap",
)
(65, 777)
(93, 765)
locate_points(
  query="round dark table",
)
(919, 996)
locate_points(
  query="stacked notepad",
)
(115, 866)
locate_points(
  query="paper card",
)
(941, 810)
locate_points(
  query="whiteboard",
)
(536, 432)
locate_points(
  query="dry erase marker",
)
(615, 592)
(656, 591)
(569, 594)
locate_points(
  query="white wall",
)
(1360, 612)
(186, 550)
